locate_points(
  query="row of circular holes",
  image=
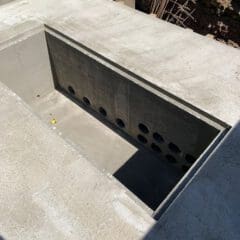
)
(101, 110)
(157, 137)
(174, 148)
(169, 157)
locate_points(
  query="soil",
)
(218, 19)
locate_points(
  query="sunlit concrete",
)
(50, 187)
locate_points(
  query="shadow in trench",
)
(148, 177)
(146, 173)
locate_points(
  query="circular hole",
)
(185, 168)
(142, 139)
(190, 159)
(86, 101)
(155, 148)
(120, 123)
(171, 158)
(71, 90)
(103, 111)
(143, 128)
(157, 137)
(174, 148)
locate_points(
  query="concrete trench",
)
(144, 138)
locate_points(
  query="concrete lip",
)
(145, 138)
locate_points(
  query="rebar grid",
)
(174, 11)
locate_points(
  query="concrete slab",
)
(29, 75)
(5, 1)
(199, 71)
(51, 191)
(208, 207)
(195, 69)
(48, 190)
(25, 67)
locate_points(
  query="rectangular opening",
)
(142, 136)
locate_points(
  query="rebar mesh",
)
(175, 11)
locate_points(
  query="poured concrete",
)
(50, 191)
(5, 1)
(29, 75)
(126, 97)
(195, 69)
(43, 199)
(208, 207)
(130, 3)
(148, 173)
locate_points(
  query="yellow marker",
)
(53, 121)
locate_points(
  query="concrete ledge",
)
(208, 208)
(48, 190)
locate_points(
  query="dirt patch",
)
(218, 19)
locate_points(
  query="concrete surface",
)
(27, 70)
(199, 71)
(42, 199)
(208, 206)
(49, 191)
(150, 177)
(120, 93)
(130, 3)
(29, 75)
(5, 1)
